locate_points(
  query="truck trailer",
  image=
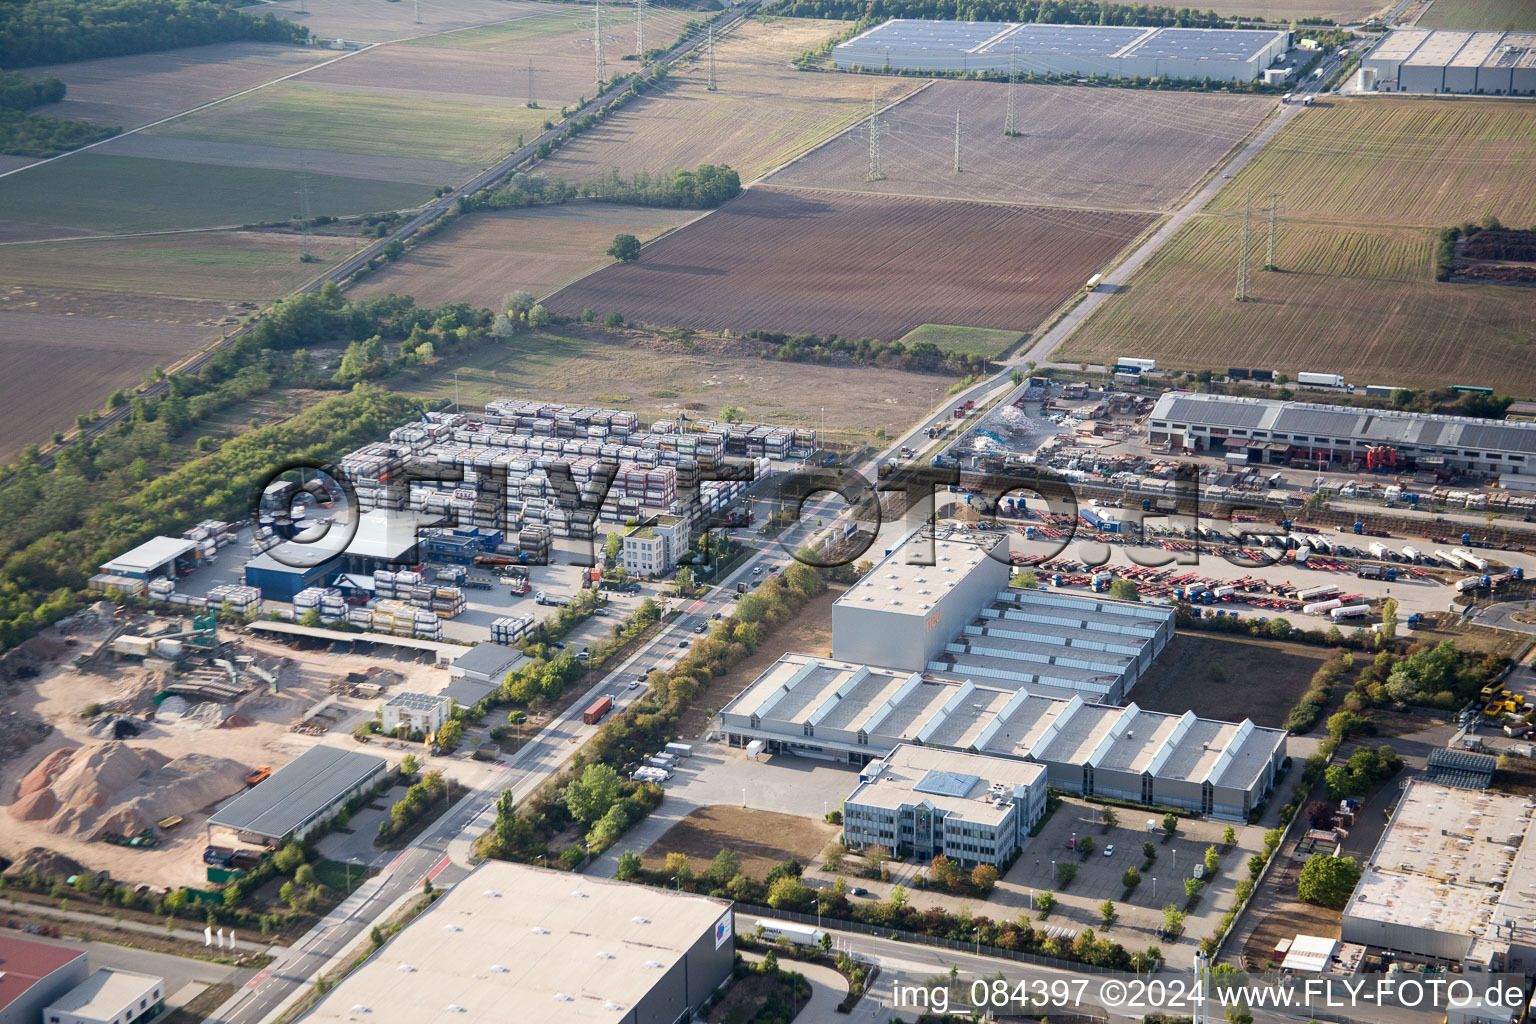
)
(597, 710)
(1320, 380)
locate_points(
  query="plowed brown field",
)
(862, 266)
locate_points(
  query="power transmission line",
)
(304, 209)
(874, 138)
(639, 27)
(417, 4)
(1010, 127)
(1269, 253)
(1242, 258)
(532, 103)
(709, 44)
(957, 140)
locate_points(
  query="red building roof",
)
(25, 963)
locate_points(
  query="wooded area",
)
(37, 32)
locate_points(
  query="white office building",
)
(654, 548)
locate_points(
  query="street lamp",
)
(679, 880)
(978, 940)
(1154, 888)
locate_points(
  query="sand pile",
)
(46, 863)
(111, 787)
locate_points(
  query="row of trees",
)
(919, 357)
(701, 189)
(24, 134)
(34, 32)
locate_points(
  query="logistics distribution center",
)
(1286, 430)
(513, 942)
(1231, 55)
(1029, 699)
(1466, 63)
(1451, 878)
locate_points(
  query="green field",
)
(316, 117)
(1361, 301)
(511, 34)
(124, 193)
(1380, 160)
(1496, 15)
(977, 341)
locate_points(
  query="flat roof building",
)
(1464, 63)
(299, 796)
(108, 997)
(383, 538)
(1453, 877)
(971, 808)
(34, 974)
(480, 669)
(903, 611)
(545, 947)
(819, 707)
(417, 712)
(1341, 433)
(653, 548)
(1116, 52)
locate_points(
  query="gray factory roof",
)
(487, 659)
(105, 993)
(513, 942)
(305, 786)
(982, 717)
(150, 555)
(1426, 48)
(1035, 39)
(382, 535)
(956, 782)
(900, 588)
(1328, 422)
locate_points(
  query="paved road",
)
(1502, 617)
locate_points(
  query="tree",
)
(1024, 580)
(1017, 376)
(1125, 590)
(590, 796)
(518, 302)
(1279, 629)
(984, 878)
(1212, 860)
(538, 316)
(625, 248)
(449, 734)
(677, 865)
(517, 718)
(288, 858)
(724, 867)
(1107, 913)
(788, 893)
(1389, 619)
(1229, 836)
(1109, 818)
(305, 876)
(1192, 887)
(1173, 920)
(1170, 825)
(1045, 902)
(1149, 851)
(1131, 879)
(614, 320)
(733, 414)
(1086, 846)
(1065, 872)
(1328, 881)
(629, 866)
(899, 897)
(409, 765)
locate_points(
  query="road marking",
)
(261, 976)
(392, 865)
(438, 869)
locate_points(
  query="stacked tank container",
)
(508, 630)
(326, 601)
(240, 598)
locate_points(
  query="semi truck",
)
(799, 934)
(597, 710)
(1317, 593)
(1377, 572)
(1320, 380)
(1352, 611)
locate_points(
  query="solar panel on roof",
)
(942, 783)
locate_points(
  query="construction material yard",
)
(799, 261)
(1099, 149)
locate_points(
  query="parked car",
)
(1109, 851)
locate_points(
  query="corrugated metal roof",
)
(308, 784)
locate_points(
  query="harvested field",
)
(659, 377)
(1102, 149)
(151, 195)
(1388, 161)
(81, 360)
(1373, 286)
(219, 265)
(380, 22)
(410, 170)
(483, 257)
(1182, 677)
(302, 116)
(1494, 15)
(131, 91)
(760, 838)
(468, 76)
(858, 266)
(969, 340)
(561, 30)
(1340, 12)
(763, 113)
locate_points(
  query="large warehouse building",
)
(1453, 877)
(963, 47)
(957, 616)
(298, 796)
(819, 707)
(1465, 63)
(1340, 433)
(513, 942)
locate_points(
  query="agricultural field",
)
(1496, 15)
(1361, 301)
(383, 22)
(800, 261)
(82, 360)
(1100, 149)
(1340, 12)
(969, 340)
(660, 377)
(298, 115)
(540, 250)
(762, 113)
(95, 193)
(1388, 161)
(131, 91)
